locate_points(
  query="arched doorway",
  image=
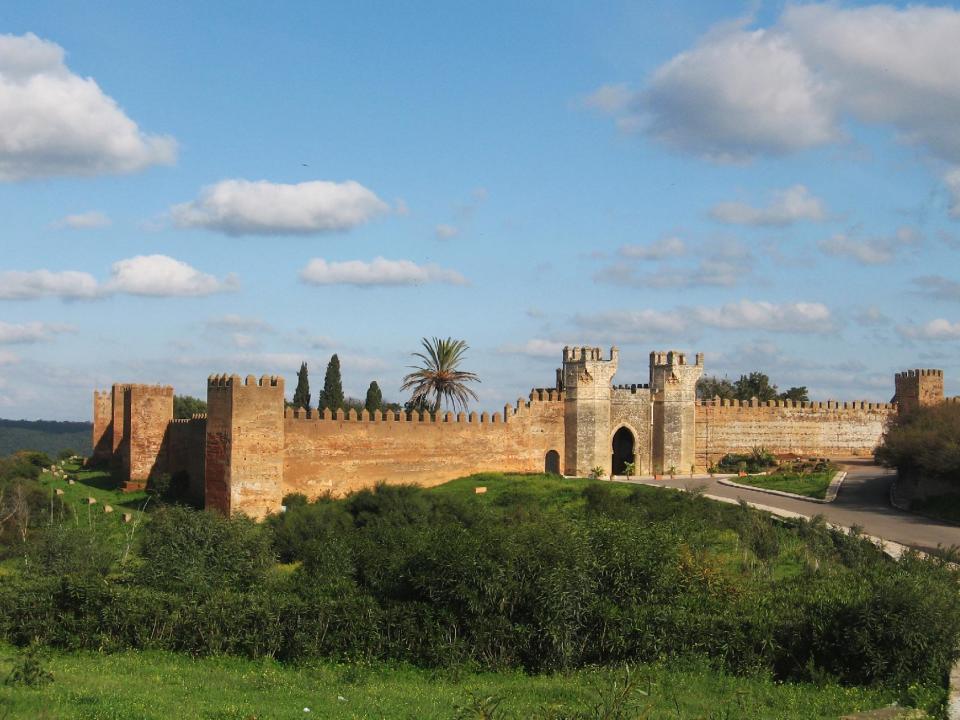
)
(551, 463)
(623, 451)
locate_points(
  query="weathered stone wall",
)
(587, 381)
(186, 453)
(630, 408)
(102, 425)
(343, 454)
(830, 428)
(244, 444)
(148, 410)
(120, 400)
(673, 386)
(916, 388)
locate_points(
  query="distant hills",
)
(49, 436)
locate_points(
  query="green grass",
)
(98, 484)
(806, 484)
(148, 685)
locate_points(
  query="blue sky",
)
(239, 187)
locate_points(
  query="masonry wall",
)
(120, 441)
(102, 425)
(630, 408)
(829, 428)
(217, 445)
(339, 456)
(186, 443)
(148, 410)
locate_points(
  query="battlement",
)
(196, 417)
(224, 380)
(919, 372)
(546, 395)
(670, 358)
(796, 404)
(632, 387)
(588, 354)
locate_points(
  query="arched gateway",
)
(623, 451)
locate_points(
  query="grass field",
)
(158, 685)
(807, 484)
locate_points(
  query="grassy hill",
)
(48, 436)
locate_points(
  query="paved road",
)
(864, 500)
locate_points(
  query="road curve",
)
(863, 500)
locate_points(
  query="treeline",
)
(48, 436)
(754, 385)
(593, 577)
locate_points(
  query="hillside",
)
(48, 436)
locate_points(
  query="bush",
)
(924, 443)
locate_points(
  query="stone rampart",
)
(342, 452)
(784, 426)
(186, 453)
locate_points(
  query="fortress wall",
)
(186, 453)
(147, 415)
(342, 454)
(120, 450)
(630, 407)
(102, 425)
(217, 445)
(822, 429)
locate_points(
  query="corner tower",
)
(673, 391)
(918, 388)
(586, 379)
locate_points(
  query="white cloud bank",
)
(870, 251)
(659, 250)
(742, 92)
(795, 204)
(244, 207)
(30, 332)
(380, 271)
(54, 122)
(83, 221)
(151, 275)
(936, 330)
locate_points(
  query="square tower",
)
(918, 388)
(587, 381)
(673, 391)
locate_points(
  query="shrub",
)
(924, 443)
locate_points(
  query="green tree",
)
(797, 394)
(186, 406)
(331, 397)
(438, 378)
(755, 385)
(301, 396)
(711, 386)
(374, 400)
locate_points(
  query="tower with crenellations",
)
(918, 388)
(673, 391)
(587, 380)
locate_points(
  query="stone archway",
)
(551, 463)
(624, 451)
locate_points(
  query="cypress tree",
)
(374, 398)
(332, 395)
(301, 396)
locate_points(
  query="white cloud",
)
(445, 232)
(634, 323)
(665, 248)
(741, 92)
(54, 122)
(870, 251)
(609, 98)
(800, 317)
(872, 316)
(937, 287)
(30, 332)
(28, 285)
(84, 221)
(243, 207)
(535, 347)
(937, 330)
(787, 207)
(952, 180)
(163, 276)
(379, 271)
(239, 323)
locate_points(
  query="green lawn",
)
(165, 685)
(807, 484)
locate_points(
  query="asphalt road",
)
(863, 500)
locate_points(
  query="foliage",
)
(49, 436)
(807, 479)
(439, 377)
(374, 400)
(924, 443)
(757, 460)
(189, 551)
(301, 395)
(29, 669)
(331, 397)
(754, 385)
(186, 406)
(596, 473)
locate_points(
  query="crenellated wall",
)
(784, 426)
(327, 454)
(186, 453)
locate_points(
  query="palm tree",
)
(437, 378)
